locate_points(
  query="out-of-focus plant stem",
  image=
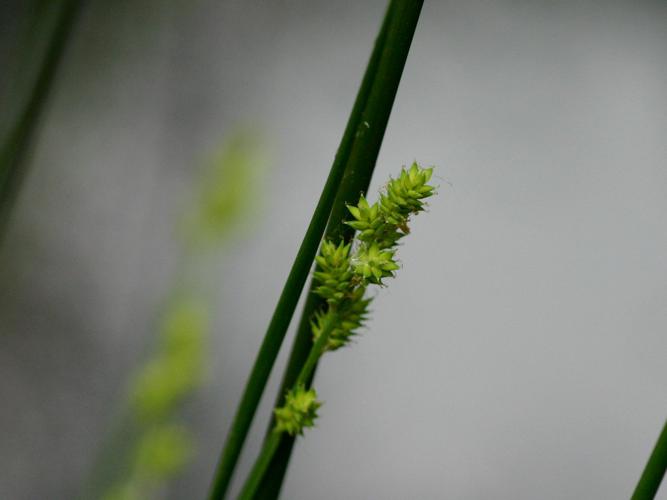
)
(357, 127)
(152, 444)
(13, 162)
(401, 22)
(653, 473)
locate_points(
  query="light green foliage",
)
(130, 490)
(176, 368)
(299, 411)
(159, 454)
(162, 452)
(227, 191)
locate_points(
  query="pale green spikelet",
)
(352, 313)
(403, 196)
(299, 411)
(372, 263)
(372, 225)
(367, 219)
(333, 274)
(385, 222)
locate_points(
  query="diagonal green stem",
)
(401, 17)
(273, 441)
(294, 285)
(650, 480)
(15, 147)
(269, 449)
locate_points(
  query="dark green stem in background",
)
(401, 18)
(294, 285)
(13, 164)
(650, 480)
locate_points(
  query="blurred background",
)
(520, 354)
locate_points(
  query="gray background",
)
(520, 354)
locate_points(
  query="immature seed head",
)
(334, 272)
(299, 411)
(367, 219)
(352, 314)
(404, 194)
(372, 263)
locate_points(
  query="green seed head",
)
(404, 194)
(334, 274)
(372, 263)
(299, 411)
(352, 314)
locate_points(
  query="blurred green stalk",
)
(13, 165)
(650, 480)
(152, 443)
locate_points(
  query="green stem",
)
(294, 285)
(261, 465)
(401, 21)
(15, 147)
(316, 351)
(650, 480)
(273, 441)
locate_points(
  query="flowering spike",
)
(334, 272)
(352, 313)
(372, 263)
(299, 411)
(404, 194)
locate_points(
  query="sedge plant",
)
(344, 274)
(349, 175)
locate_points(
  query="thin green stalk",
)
(273, 441)
(402, 17)
(316, 352)
(259, 469)
(15, 147)
(295, 282)
(650, 480)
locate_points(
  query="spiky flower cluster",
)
(352, 312)
(335, 274)
(404, 195)
(344, 270)
(299, 411)
(385, 222)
